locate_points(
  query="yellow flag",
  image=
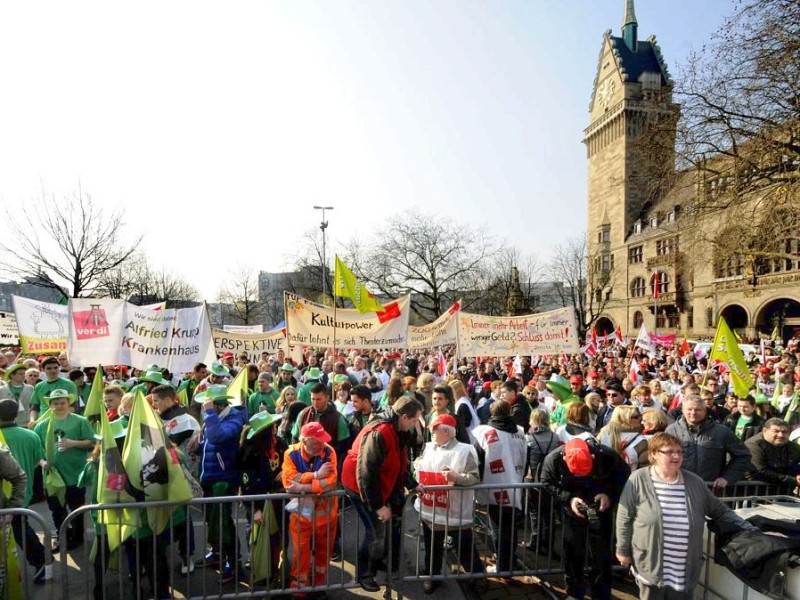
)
(113, 486)
(347, 286)
(238, 388)
(727, 350)
(152, 465)
(183, 397)
(94, 405)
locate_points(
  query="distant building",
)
(27, 289)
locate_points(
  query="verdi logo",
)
(90, 324)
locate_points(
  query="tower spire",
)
(629, 26)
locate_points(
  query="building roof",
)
(646, 59)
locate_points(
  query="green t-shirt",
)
(27, 449)
(70, 463)
(342, 430)
(256, 399)
(39, 401)
(741, 424)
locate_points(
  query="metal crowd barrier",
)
(23, 518)
(146, 565)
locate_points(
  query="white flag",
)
(643, 341)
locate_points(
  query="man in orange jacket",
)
(309, 467)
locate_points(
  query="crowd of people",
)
(645, 437)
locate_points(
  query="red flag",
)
(392, 311)
(632, 373)
(618, 334)
(655, 286)
(684, 346)
(453, 309)
(442, 366)
(605, 340)
(594, 337)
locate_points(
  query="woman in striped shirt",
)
(660, 523)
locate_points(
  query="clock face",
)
(605, 91)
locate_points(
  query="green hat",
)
(559, 386)
(762, 399)
(340, 378)
(215, 393)
(153, 367)
(11, 370)
(57, 394)
(218, 369)
(154, 377)
(260, 421)
(117, 428)
(122, 384)
(287, 366)
(313, 374)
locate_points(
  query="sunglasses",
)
(612, 394)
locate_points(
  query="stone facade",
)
(660, 273)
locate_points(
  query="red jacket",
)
(376, 464)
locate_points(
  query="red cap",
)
(593, 374)
(443, 420)
(228, 355)
(315, 431)
(764, 370)
(487, 385)
(576, 379)
(578, 457)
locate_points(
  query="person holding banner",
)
(42, 391)
(67, 439)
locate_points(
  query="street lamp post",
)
(323, 226)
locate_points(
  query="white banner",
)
(9, 334)
(106, 331)
(551, 332)
(442, 332)
(243, 328)
(252, 344)
(42, 326)
(312, 324)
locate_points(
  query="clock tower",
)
(631, 97)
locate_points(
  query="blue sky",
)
(217, 126)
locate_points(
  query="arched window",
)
(662, 279)
(638, 319)
(638, 287)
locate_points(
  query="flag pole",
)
(335, 284)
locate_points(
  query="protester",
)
(446, 461)
(26, 448)
(309, 467)
(43, 389)
(502, 455)
(16, 389)
(67, 439)
(586, 480)
(745, 422)
(661, 520)
(707, 446)
(375, 475)
(541, 440)
(774, 459)
(623, 434)
(219, 476)
(465, 413)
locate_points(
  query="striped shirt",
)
(675, 524)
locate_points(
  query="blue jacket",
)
(221, 444)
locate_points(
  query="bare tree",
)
(737, 143)
(431, 258)
(241, 292)
(137, 281)
(67, 245)
(585, 284)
